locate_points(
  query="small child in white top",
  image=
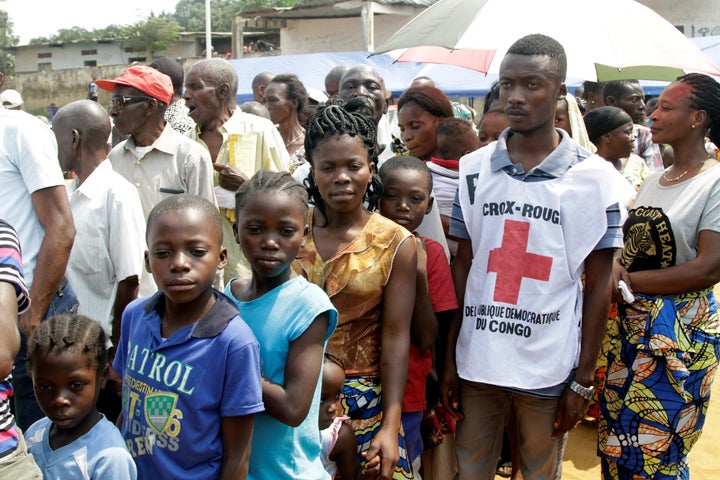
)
(68, 363)
(339, 446)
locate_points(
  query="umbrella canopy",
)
(609, 40)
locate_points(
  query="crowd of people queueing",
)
(293, 290)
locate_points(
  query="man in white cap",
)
(11, 99)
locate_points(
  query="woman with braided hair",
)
(662, 361)
(364, 262)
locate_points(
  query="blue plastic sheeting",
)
(311, 68)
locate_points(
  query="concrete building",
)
(695, 18)
(61, 56)
(330, 25)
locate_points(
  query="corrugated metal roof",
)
(410, 3)
(329, 8)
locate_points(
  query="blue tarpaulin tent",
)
(311, 69)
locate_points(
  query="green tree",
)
(111, 32)
(7, 39)
(190, 14)
(154, 34)
(158, 32)
(80, 34)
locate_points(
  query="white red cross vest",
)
(523, 299)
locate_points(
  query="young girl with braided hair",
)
(364, 262)
(68, 364)
(292, 320)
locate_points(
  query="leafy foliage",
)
(77, 33)
(153, 34)
(7, 39)
(190, 14)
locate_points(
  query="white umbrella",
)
(604, 40)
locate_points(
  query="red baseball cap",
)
(146, 79)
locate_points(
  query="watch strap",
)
(585, 392)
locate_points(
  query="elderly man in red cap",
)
(155, 158)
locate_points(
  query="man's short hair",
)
(177, 203)
(255, 108)
(616, 88)
(172, 69)
(592, 87)
(219, 71)
(538, 44)
(336, 74)
(404, 162)
(449, 136)
(262, 78)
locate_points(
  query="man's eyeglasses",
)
(119, 101)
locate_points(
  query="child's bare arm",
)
(424, 325)
(236, 438)
(344, 453)
(291, 402)
(397, 311)
(9, 335)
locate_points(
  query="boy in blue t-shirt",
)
(190, 365)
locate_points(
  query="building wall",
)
(60, 87)
(32, 58)
(183, 49)
(698, 18)
(335, 35)
(40, 89)
(69, 55)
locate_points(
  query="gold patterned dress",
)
(354, 278)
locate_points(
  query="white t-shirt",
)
(28, 163)
(662, 228)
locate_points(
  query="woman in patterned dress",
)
(364, 262)
(662, 362)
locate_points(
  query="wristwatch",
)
(585, 392)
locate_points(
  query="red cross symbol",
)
(512, 262)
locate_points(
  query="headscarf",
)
(579, 134)
(602, 120)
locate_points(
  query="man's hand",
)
(570, 411)
(114, 382)
(30, 320)
(231, 178)
(384, 447)
(619, 273)
(450, 390)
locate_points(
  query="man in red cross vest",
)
(534, 211)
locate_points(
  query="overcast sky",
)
(43, 18)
